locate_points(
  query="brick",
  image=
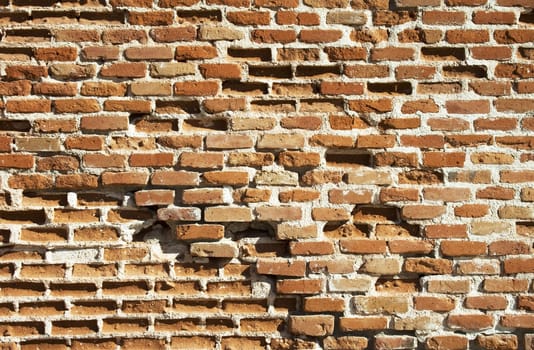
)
(457, 36)
(215, 250)
(444, 17)
(422, 212)
(124, 179)
(35, 181)
(179, 214)
(398, 194)
(334, 88)
(220, 71)
(173, 34)
(316, 325)
(77, 181)
(371, 106)
(410, 247)
(278, 213)
(66, 71)
(228, 141)
(56, 54)
(59, 163)
(392, 54)
(305, 286)
(497, 341)
(281, 268)
(54, 89)
(219, 33)
(486, 302)
(319, 36)
(22, 72)
(199, 232)
(338, 267)
(151, 18)
(124, 70)
(459, 248)
(438, 304)
(200, 88)
(226, 214)
(16, 88)
(76, 106)
(351, 324)
(151, 88)
(470, 322)
(443, 159)
(491, 52)
(468, 107)
(17, 161)
(428, 266)
(363, 246)
(195, 52)
(452, 342)
(345, 53)
(270, 36)
(453, 286)
(512, 36)
(103, 89)
(28, 106)
(77, 35)
(300, 18)
(231, 178)
(382, 266)
(381, 304)
(223, 105)
(249, 17)
(154, 197)
(151, 159)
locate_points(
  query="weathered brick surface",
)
(267, 174)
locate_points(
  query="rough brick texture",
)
(267, 174)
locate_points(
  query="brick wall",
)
(267, 174)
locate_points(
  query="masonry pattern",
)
(267, 174)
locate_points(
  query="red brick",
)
(486, 302)
(196, 88)
(151, 159)
(319, 36)
(28, 106)
(450, 342)
(16, 161)
(56, 53)
(461, 248)
(392, 54)
(312, 325)
(302, 286)
(270, 36)
(443, 159)
(512, 36)
(26, 72)
(151, 18)
(468, 107)
(173, 34)
(444, 17)
(438, 304)
(458, 36)
(154, 197)
(249, 17)
(491, 52)
(351, 324)
(124, 70)
(184, 53)
(281, 268)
